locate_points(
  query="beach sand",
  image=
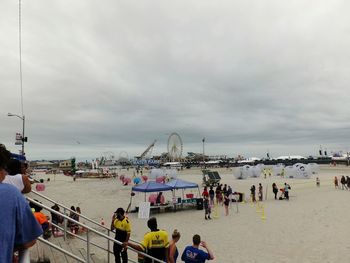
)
(311, 227)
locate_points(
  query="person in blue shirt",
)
(18, 227)
(192, 254)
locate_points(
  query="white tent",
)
(313, 168)
(246, 171)
(242, 172)
(300, 171)
(155, 173)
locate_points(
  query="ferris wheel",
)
(175, 146)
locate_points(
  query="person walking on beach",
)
(211, 196)
(275, 190)
(173, 251)
(252, 193)
(336, 186)
(226, 203)
(207, 208)
(205, 192)
(317, 182)
(343, 181)
(286, 191)
(260, 194)
(229, 192)
(218, 194)
(122, 227)
(192, 254)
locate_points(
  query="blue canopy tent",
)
(181, 184)
(18, 157)
(151, 186)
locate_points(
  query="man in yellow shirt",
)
(155, 243)
(122, 227)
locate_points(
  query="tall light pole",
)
(203, 140)
(24, 139)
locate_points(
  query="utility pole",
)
(203, 141)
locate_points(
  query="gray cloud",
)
(248, 76)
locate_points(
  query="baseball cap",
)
(120, 211)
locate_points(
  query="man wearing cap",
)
(122, 227)
(155, 242)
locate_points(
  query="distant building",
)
(42, 165)
(65, 165)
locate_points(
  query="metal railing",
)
(70, 210)
(89, 230)
(67, 209)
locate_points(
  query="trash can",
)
(199, 203)
(241, 197)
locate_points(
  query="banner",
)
(18, 139)
(144, 210)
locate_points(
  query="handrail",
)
(81, 238)
(92, 230)
(70, 210)
(80, 215)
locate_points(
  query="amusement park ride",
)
(148, 150)
(175, 147)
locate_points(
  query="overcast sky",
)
(249, 76)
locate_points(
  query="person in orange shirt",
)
(42, 219)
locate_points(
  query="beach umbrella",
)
(126, 180)
(137, 180)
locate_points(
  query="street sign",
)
(18, 139)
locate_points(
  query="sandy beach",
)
(311, 227)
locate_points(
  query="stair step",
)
(65, 245)
(34, 253)
(41, 253)
(58, 256)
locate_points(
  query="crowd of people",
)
(24, 222)
(222, 195)
(284, 192)
(155, 243)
